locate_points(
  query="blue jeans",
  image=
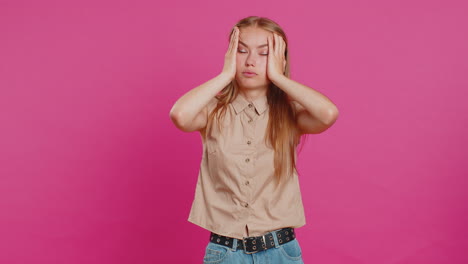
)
(289, 252)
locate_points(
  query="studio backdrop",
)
(92, 170)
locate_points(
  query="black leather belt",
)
(255, 244)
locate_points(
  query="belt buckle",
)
(245, 247)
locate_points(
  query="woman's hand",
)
(230, 58)
(276, 60)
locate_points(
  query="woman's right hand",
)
(230, 58)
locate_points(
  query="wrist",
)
(276, 78)
(225, 76)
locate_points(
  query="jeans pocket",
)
(214, 253)
(291, 250)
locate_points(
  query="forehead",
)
(254, 37)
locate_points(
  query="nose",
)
(251, 60)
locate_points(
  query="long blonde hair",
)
(282, 132)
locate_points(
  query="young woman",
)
(251, 118)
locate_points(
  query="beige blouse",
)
(235, 190)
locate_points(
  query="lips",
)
(249, 72)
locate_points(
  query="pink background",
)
(93, 171)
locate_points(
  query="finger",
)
(230, 42)
(281, 49)
(273, 43)
(281, 46)
(270, 45)
(283, 43)
(234, 38)
(277, 45)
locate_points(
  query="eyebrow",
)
(263, 45)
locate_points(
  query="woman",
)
(251, 117)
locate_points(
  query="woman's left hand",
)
(276, 60)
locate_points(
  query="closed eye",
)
(264, 54)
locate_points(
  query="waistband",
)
(255, 244)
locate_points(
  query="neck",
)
(252, 95)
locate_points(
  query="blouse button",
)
(250, 105)
(248, 142)
(247, 182)
(247, 160)
(246, 205)
(250, 121)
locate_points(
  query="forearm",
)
(317, 104)
(190, 104)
